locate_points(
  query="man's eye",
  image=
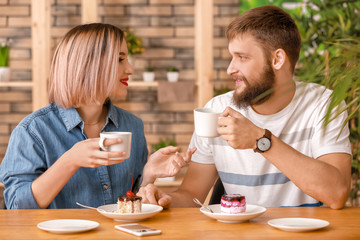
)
(121, 59)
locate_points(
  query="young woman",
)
(53, 158)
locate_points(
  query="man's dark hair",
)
(272, 27)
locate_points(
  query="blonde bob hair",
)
(84, 69)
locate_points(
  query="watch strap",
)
(267, 134)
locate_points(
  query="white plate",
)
(147, 211)
(252, 211)
(298, 224)
(67, 225)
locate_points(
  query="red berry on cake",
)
(233, 203)
(130, 194)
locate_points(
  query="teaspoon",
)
(84, 206)
(199, 203)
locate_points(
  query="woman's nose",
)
(129, 69)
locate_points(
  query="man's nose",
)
(231, 68)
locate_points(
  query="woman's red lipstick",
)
(124, 81)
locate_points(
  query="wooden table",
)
(184, 223)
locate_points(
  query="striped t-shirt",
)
(300, 125)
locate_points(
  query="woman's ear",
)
(279, 57)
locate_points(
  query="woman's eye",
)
(121, 59)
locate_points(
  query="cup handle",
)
(101, 144)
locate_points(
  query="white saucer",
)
(298, 224)
(147, 211)
(252, 211)
(67, 225)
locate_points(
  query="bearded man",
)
(273, 147)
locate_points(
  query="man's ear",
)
(278, 60)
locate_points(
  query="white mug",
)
(205, 120)
(125, 146)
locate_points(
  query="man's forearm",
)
(181, 198)
(328, 182)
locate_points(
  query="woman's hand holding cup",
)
(87, 153)
(116, 142)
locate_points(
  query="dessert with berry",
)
(129, 203)
(233, 203)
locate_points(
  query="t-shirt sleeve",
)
(203, 153)
(22, 164)
(332, 139)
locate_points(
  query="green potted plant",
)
(149, 74)
(4, 61)
(172, 74)
(134, 43)
(163, 143)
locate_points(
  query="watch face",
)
(263, 144)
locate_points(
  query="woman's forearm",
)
(148, 176)
(46, 187)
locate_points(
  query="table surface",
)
(184, 223)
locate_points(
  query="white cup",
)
(125, 146)
(205, 120)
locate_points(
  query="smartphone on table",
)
(137, 229)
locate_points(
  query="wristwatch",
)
(263, 144)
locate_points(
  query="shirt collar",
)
(71, 117)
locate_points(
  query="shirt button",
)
(106, 186)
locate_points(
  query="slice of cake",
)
(233, 203)
(129, 204)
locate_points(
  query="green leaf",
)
(4, 56)
(163, 143)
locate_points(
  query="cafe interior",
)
(164, 37)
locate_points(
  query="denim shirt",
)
(45, 135)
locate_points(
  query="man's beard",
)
(257, 93)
